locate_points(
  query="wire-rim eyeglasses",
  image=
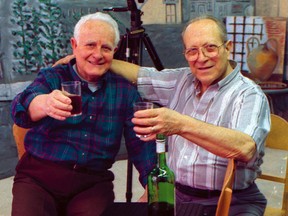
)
(209, 50)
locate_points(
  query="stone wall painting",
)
(40, 38)
(49, 25)
(36, 33)
(221, 8)
(1, 62)
(40, 29)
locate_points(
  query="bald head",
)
(218, 24)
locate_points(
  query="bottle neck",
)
(161, 159)
(161, 153)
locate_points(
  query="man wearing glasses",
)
(210, 112)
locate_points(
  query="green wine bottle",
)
(161, 181)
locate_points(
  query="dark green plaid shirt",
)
(92, 139)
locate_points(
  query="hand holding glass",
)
(142, 106)
(72, 89)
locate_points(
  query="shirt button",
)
(85, 135)
(83, 154)
(91, 117)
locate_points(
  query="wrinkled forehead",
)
(97, 25)
(95, 28)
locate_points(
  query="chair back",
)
(224, 201)
(278, 136)
(278, 139)
(19, 134)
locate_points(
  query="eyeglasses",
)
(209, 50)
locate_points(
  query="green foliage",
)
(41, 37)
(21, 48)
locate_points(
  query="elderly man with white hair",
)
(65, 170)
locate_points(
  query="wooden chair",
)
(19, 134)
(278, 139)
(224, 201)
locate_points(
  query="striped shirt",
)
(234, 102)
(92, 139)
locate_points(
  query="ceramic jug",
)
(262, 59)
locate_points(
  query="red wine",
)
(76, 104)
(160, 209)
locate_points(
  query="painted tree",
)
(22, 47)
(40, 38)
(54, 39)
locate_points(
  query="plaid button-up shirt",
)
(92, 139)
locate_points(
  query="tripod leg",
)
(121, 53)
(152, 52)
(129, 181)
(134, 45)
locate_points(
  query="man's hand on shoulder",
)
(64, 60)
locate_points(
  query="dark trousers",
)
(246, 202)
(43, 188)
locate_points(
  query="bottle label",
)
(160, 147)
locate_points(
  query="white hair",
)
(101, 17)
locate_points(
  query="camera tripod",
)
(130, 46)
(130, 49)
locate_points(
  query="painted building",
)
(162, 12)
(179, 11)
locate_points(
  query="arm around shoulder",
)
(125, 69)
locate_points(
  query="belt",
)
(71, 166)
(81, 169)
(197, 192)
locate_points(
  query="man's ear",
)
(115, 49)
(73, 43)
(229, 48)
(229, 45)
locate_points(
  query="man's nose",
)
(201, 55)
(97, 52)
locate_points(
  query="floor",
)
(273, 192)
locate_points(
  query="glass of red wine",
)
(72, 89)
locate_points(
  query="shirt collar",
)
(230, 76)
(93, 86)
(224, 81)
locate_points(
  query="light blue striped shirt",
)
(235, 102)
